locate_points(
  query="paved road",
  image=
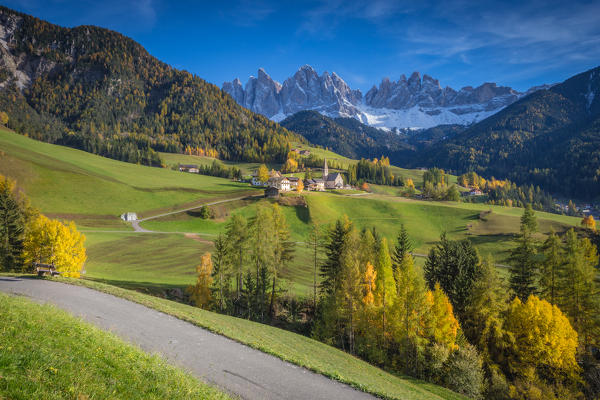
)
(234, 367)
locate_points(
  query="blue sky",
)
(513, 43)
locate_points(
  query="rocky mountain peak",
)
(329, 94)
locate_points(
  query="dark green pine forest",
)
(550, 139)
(99, 91)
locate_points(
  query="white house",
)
(129, 216)
(189, 168)
(281, 183)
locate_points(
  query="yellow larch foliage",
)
(369, 284)
(539, 334)
(200, 293)
(50, 241)
(409, 183)
(300, 186)
(443, 326)
(589, 222)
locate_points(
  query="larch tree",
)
(263, 173)
(408, 310)
(385, 287)
(442, 325)
(221, 274)
(262, 252)
(200, 293)
(550, 267)
(315, 239)
(350, 292)
(236, 234)
(483, 315)
(52, 242)
(538, 335)
(283, 249)
(579, 294)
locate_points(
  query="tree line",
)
(454, 322)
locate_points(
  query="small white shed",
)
(129, 216)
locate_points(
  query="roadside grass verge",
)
(45, 353)
(288, 346)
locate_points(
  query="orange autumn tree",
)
(200, 293)
(442, 326)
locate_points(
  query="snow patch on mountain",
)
(416, 102)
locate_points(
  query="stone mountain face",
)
(414, 102)
(306, 90)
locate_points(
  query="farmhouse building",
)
(293, 182)
(192, 168)
(317, 185)
(282, 184)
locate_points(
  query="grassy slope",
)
(289, 346)
(65, 181)
(425, 220)
(47, 354)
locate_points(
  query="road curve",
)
(236, 368)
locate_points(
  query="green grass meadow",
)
(45, 353)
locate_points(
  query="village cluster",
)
(277, 182)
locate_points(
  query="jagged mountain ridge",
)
(416, 102)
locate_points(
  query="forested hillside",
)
(97, 90)
(550, 138)
(346, 136)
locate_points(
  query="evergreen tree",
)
(221, 275)
(262, 252)
(402, 249)
(483, 315)
(282, 252)
(408, 311)
(12, 227)
(236, 234)
(455, 266)
(579, 294)
(350, 293)
(385, 287)
(315, 243)
(330, 269)
(523, 258)
(550, 268)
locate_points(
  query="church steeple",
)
(325, 170)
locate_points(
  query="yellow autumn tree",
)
(290, 165)
(200, 292)
(409, 183)
(49, 241)
(442, 325)
(3, 118)
(369, 284)
(589, 222)
(263, 173)
(300, 186)
(538, 335)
